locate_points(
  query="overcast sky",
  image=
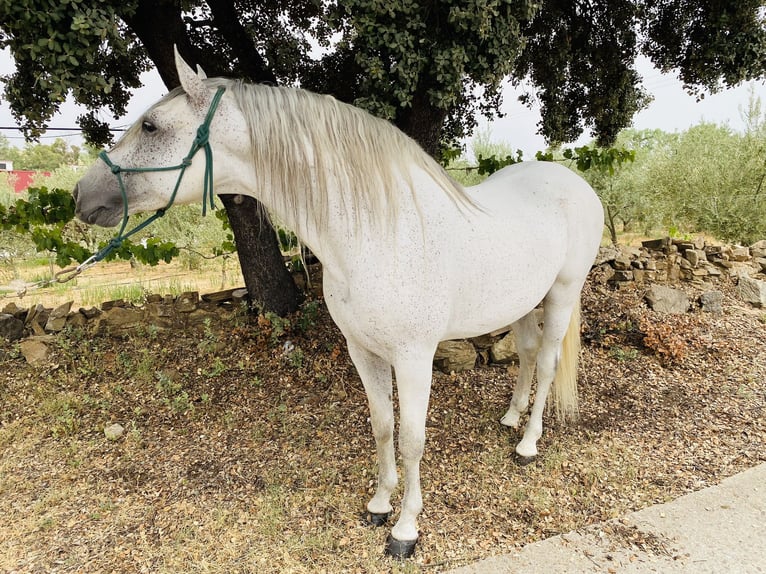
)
(671, 110)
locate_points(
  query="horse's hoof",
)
(400, 549)
(377, 519)
(524, 460)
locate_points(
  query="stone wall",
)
(671, 261)
(657, 264)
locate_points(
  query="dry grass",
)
(238, 458)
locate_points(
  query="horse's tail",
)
(564, 391)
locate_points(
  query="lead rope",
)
(201, 142)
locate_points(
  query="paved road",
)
(719, 530)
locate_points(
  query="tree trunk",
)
(159, 26)
(269, 283)
(423, 122)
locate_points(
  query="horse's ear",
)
(200, 72)
(190, 81)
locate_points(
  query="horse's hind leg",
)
(376, 378)
(528, 337)
(557, 311)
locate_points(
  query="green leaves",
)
(46, 217)
(61, 48)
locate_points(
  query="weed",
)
(623, 353)
(64, 413)
(279, 325)
(217, 368)
(308, 316)
(166, 385)
(181, 403)
(209, 338)
(295, 358)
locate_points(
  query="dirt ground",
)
(247, 448)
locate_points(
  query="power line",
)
(19, 128)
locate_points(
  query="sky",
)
(671, 110)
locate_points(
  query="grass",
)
(118, 280)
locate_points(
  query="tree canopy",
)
(427, 66)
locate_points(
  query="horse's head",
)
(144, 167)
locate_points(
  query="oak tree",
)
(426, 66)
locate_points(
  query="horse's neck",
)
(351, 229)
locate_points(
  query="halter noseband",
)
(201, 141)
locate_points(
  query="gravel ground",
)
(247, 445)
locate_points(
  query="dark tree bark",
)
(158, 25)
(423, 122)
(269, 283)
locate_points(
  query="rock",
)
(36, 349)
(18, 312)
(483, 342)
(695, 256)
(740, 254)
(758, 249)
(667, 300)
(657, 244)
(114, 431)
(107, 305)
(752, 291)
(187, 302)
(606, 255)
(121, 317)
(622, 262)
(90, 313)
(76, 320)
(455, 356)
(711, 302)
(57, 318)
(11, 328)
(621, 275)
(504, 350)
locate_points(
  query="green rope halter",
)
(201, 141)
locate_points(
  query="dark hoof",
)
(400, 549)
(376, 519)
(523, 460)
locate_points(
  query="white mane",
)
(304, 143)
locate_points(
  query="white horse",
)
(410, 257)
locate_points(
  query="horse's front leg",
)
(413, 383)
(376, 378)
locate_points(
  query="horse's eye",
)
(148, 127)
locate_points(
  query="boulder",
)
(455, 356)
(711, 302)
(57, 318)
(36, 349)
(187, 302)
(667, 300)
(752, 291)
(11, 328)
(504, 350)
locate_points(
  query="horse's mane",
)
(303, 143)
